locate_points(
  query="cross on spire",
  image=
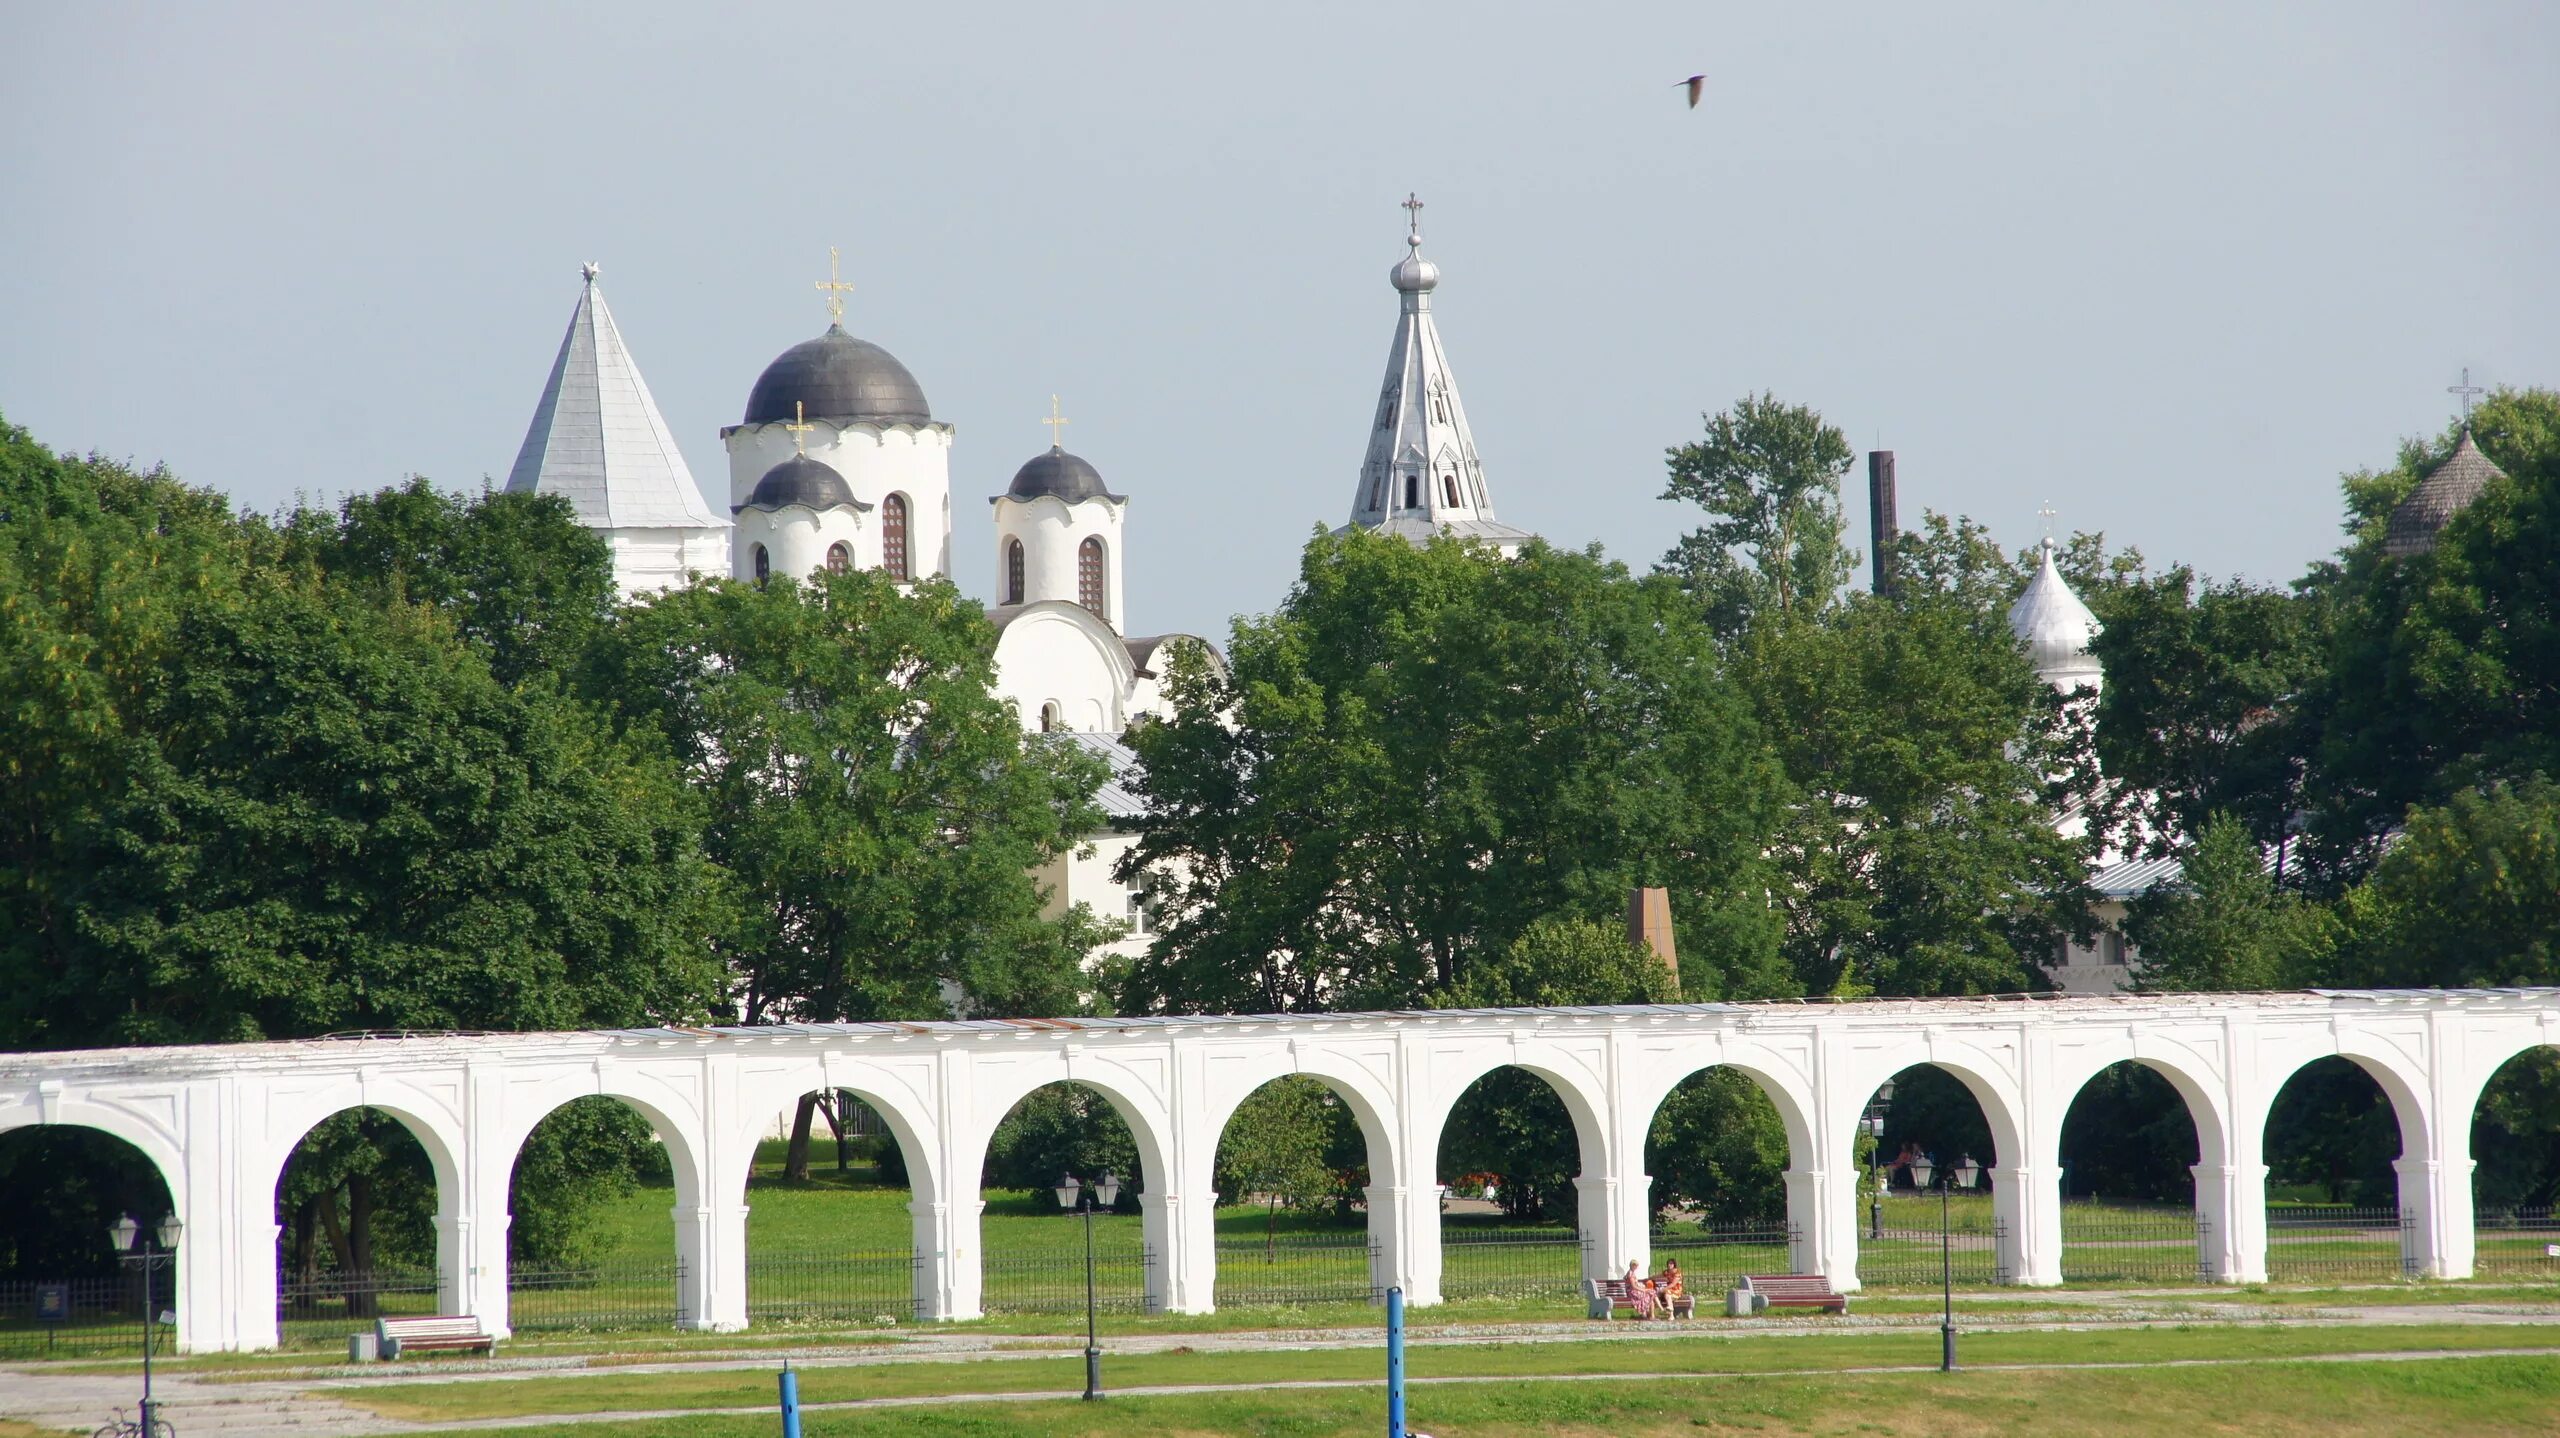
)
(834, 289)
(2047, 515)
(1413, 212)
(1054, 422)
(799, 425)
(2464, 392)
(590, 270)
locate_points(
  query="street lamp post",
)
(1875, 1156)
(1075, 1195)
(1962, 1173)
(125, 1233)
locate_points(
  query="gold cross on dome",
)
(799, 425)
(834, 288)
(1054, 421)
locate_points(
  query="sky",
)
(2170, 269)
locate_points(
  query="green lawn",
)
(2467, 1397)
(459, 1401)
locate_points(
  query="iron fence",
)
(2329, 1242)
(831, 1288)
(1511, 1263)
(1051, 1280)
(2105, 1242)
(2516, 1242)
(76, 1316)
(330, 1304)
(610, 1297)
(1910, 1252)
(1714, 1257)
(1301, 1267)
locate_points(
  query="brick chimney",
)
(1882, 525)
(1649, 926)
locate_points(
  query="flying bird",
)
(1697, 86)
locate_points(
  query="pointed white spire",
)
(598, 440)
(1421, 476)
(2055, 628)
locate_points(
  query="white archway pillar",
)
(2026, 1200)
(1614, 1212)
(1822, 1225)
(2231, 1221)
(948, 1276)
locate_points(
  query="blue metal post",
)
(1395, 1363)
(790, 1402)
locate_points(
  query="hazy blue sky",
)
(2172, 268)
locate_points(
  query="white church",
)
(838, 462)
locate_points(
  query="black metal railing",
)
(1909, 1254)
(1308, 1266)
(76, 1316)
(1714, 1257)
(1511, 1263)
(2516, 1242)
(831, 1288)
(2105, 1242)
(607, 1297)
(2313, 1241)
(1052, 1280)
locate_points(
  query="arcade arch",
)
(2129, 1149)
(1511, 1151)
(2515, 1150)
(2333, 1137)
(1929, 1141)
(1031, 1249)
(363, 1206)
(830, 1198)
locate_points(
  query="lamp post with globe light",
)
(1963, 1174)
(126, 1234)
(1074, 1195)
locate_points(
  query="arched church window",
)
(1413, 491)
(1377, 491)
(1440, 408)
(1013, 571)
(893, 536)
(764, 564)
(1049, 717)
(839, 556)
(1449, 487)
(1089, 577)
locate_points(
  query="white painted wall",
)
(1058, 653)
(1052, 533)
(220, 1121)
(876, 461)
(798, 538)
(647, 560)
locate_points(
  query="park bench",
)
(395, 1336)
(1608, 1295)
(1794, 1290)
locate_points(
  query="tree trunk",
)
(835, 1125)
(1271, 1229)
(795, 1160)
(339, 1248)
(361, 1302)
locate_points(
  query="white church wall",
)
(1059, 654)
(647, 560)
(1052, 533)
(796, 539)
(1084, 876)
(876, 462)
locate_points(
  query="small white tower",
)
(869, 425)
(2055, 629)
(800, 518)
(1058, 534)
(598, 441)
(1421, 476)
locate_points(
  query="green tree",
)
(1920, 851)
(2469, 897)
(1768, 475)
(2223, 925)
(1275, 1148)
(875, 803)
(516, 574)
(1424, 751)
(2199, 714)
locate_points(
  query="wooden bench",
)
(1795, 1290)
(1608, 1295)
(395, 1336)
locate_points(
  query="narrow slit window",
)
(1013, 571)
(893, 536)
(1089, 577)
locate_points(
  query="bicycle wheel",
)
(160, 1429)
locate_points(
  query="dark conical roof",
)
(1059, 475)
(803, 481)
(838, 377)
(2438, 498)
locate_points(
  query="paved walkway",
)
(285, 1402)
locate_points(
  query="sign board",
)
(53, 1303)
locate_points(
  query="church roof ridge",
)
(597, 438)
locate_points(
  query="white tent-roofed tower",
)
(598, 441)
(1421, 476)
